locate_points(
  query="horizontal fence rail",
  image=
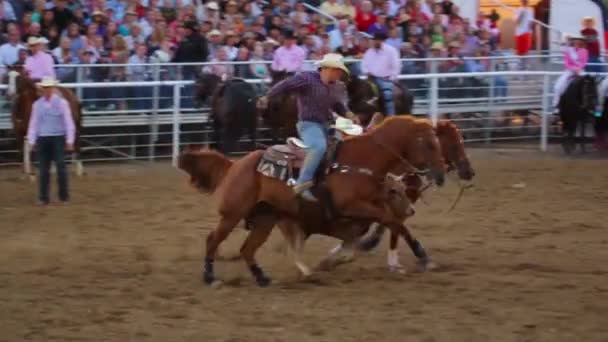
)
(505, 103)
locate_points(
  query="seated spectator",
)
(379, 26)
(365, 16)
(136, 72)
(231, 43)
(333, 8)
(258, 70)
(394, 38)
(9, 51)
(349, 11)
(63, 55)
(242, 70)
(217, 66)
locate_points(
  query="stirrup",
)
(300, 188)
(297, 143)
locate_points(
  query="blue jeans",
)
(386, 87)
(52, 149)
(314, 136)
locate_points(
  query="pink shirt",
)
(40, 65)
(43, 119)
(383, 63)
(575, 59)
(290, 60)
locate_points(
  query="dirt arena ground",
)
(524, 258)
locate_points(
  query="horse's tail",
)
(206, 168)
(373, 239)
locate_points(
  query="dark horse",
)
(366, 99)
(576, 107)
(281, 115)
(601, 127)
(233, 108)
(23, 92)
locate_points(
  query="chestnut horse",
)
(244, 193)
(233, 108)
(454, 154)
(23, 92)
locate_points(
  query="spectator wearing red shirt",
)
(365, 17)
(593, 44)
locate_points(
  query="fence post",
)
(491, 103)
(434, 95)
(176, 121)
(154, 123)
(544, 128)
(79, 76)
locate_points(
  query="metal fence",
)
(151, 118)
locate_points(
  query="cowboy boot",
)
(303, 190)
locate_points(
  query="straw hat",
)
(98, 13)
(437, 46)
(588, 18)
(454, 44)
(33, 41)
(214, 33)
(48, 81)
(333, 60)
(347, 126)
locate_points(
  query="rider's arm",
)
(365, 62)
(583, 58)
(32, 129)
(69, 122)
(289, 84)
(395, 65)
(276, 61)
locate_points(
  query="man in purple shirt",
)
(51, 132)
(316, 99)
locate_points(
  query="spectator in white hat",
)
(40, 64)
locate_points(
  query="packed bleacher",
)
(112, 31)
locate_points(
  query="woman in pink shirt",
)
(39, 64)
(575, 60)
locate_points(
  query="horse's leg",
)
(77, 164)
(295, 238)
(214, 239)
(383, 216)
(256, 238)
(424, 261)
(393, 256)
(583, 123)
(27, 161)
(339, 255)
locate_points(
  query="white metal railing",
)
(175, 116)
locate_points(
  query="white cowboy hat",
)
(33, 41)
(333, 60)
(213, 6)
(347, 126)
(214, 33)
(48, 82)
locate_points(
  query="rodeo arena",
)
(317, 170)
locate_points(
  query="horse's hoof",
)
(427, 265)
(263, 281)
(397, 269)
(216, 284)
(208, 278)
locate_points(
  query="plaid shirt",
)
(315, 99)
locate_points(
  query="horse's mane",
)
(400, 121)
(206, 168)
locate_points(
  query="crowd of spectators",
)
(141, 31)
